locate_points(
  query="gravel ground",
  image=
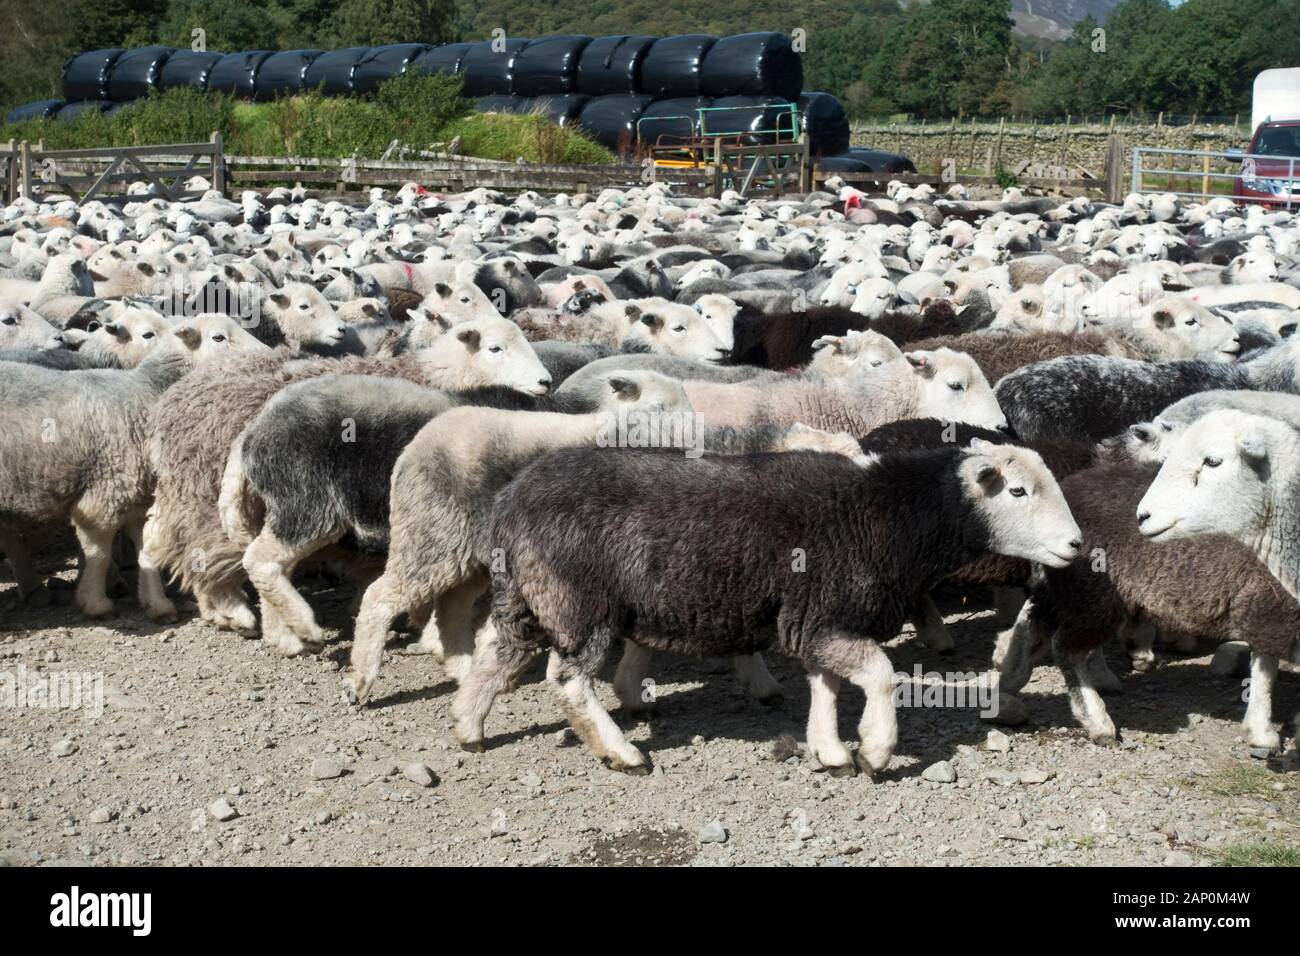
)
(199, 724)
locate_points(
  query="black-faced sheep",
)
(811, 554)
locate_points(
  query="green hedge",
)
(416, 109)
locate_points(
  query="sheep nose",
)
(1143, 517)
(1005, 428)
(544, 382)
(1075, 545)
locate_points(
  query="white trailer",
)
(1276, 96)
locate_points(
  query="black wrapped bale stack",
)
(752, 64)
(332, 71)
(383, 63)
(236, 73)
(282, 74)
(488, 66)
(674, 64)
(611, 65)
(86, 75)
(188, 68)
(611, 120)
(548, 65)
(136, 72)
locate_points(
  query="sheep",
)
(939, 384)
(123, 336)
(22, 328)
(1093, 397)
(572, 572)
(654, 324)
(999, 353)
(298, 313)
(191, 434)
(1210, 587)
(443, 485)
(74, 451)
(1151, 441)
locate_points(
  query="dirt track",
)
(193, 715)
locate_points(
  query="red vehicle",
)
(1270, 173)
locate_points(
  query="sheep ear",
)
(369, 309)
(625, 389)
(189, 335)
(280, 299)
(652, 321)
(579, 286)
(988, 474)
(921, 363)
(632, 312)
(1142, 432)
(1287, 330)
(1163, 318)
(1253, 448)
(982, 446)
(470, 338)
(145, 268)
(831, 340)
(442, 289)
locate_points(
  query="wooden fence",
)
(86, 174)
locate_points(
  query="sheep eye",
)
(218, 338)
(1017, 492)
(876, 363)
(1212, 462)
(495, 349)
(9, 320)
(464, 299)
(956, 386)
(680, 328)
(147, 335)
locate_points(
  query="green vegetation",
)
(1239, 780)
(1259, 854)
(931, 59)
(418, 111)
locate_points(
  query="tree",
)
(366, 23)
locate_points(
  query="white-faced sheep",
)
(573, 576)
(74, 451)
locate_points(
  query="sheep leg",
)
(823, 724)
(496, 668)
(929, 626)
(291, 626)
(97, 548)
(223, 605)
(19, 555)
(878, 728)
(150, 592)
(752, 672)
(455, 617)
(1103, 678)
(572, 680)
(1264, 741)
(1085, 702)
(634, 688)
(379, 605)
(1140, 638)
(1007, 603)
(1018, 649)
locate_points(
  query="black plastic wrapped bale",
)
(758, 119)
(671, 121)
(826, 123)
(282, 74)
(611, 65)
(383, 63)
(548, 65)
(752, 64)
(611, 120)
(861, 160)
(332, 71)
(72, 110)
(564, 109)
(445, 60)
(673, 65)
(236, 73)
(504, 103)
(488, 65)
(85, 76)
(188, 68)
(41, 109)
(136, 72)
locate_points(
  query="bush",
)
(417, 110)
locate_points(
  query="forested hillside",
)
(935, 59)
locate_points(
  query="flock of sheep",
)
(704, 426)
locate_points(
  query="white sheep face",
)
(484, 352)
(211, 336)
(720, 313)
(952, 388)
(675, 329)
(1192, 330)
(1220, 477)
(305, 315)
(21, 328)
(837, 355)
(1021, 504)
(126, 335)
(459, 302)
(873, 298)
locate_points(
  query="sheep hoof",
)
(162, 615)
(772, 700)
(472, 746)
(1263, 753)
(96, 608)
(1144, 665)
(1011, 712)
(631, 769)
(842, 770)
(355, 690)
(1104, 739)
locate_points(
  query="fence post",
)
(1002, 128)
(1137, 170)
(1205, 177)
(218, 163)
(24, 170)
(1114, 169)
